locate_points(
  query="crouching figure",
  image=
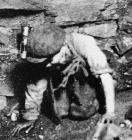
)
(52, 43)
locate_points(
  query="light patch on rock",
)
(3, 102)
(102, 30)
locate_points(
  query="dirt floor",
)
(69, 129)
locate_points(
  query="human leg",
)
(33, 100)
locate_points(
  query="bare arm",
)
(86, 46)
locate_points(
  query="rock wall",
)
(109, 21)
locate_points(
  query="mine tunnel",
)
(109, 23)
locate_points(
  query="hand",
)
(29, 125)
(63, 56)
(105, 126)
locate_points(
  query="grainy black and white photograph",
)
(65, 70)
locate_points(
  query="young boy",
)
(50, 40)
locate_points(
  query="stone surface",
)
(5, 90)
(15, 22)
(102, 30)
(4, 39)
(106, 43)
(124, 41)
(76, 11)
(72, 15)
(3, 102)
(22, 4)
(10, 28)
(109, 21)
(68, 12)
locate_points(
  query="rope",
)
(77, 63)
